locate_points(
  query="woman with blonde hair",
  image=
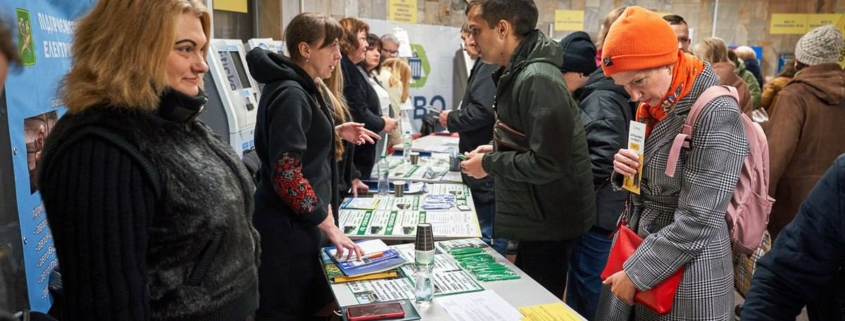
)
(150, 211)
(715, 51)
(349, 177)
(681, 218)
(395, 76)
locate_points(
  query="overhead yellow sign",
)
(402, 11)
(231, 5)
(816, 20)
(788, 24)
(569, 20)
(841, 26)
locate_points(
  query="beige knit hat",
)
(821, 45)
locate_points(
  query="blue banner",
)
(42, 31)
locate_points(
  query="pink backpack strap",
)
(682, 140)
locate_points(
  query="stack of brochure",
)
(378, 258)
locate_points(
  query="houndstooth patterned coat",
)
(682, 219)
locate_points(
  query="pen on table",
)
(372, 256)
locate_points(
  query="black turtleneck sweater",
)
(126, 253)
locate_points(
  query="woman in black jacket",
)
(295, 138)
(149, 210)
(363, 101)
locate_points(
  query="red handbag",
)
(659, 298)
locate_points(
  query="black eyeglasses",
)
(390, 52)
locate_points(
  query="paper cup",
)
(425, 238)
(398, 188)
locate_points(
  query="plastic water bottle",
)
(424, 286)
(383, 172)
(408, 146)
(424, 262)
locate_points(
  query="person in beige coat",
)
(805, 131)
(715, 51)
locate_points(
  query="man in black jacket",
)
(605, 112)
(474, 121)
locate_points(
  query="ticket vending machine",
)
(269, 44)
(266, 44)
(233, 95)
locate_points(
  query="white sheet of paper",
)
(404, 42)
(479, 306)
(361, 203)
(439, 148)
(369, 247)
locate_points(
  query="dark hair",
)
(788, 69)
(732, 56)
(351, 27)
(800, 66)
(373, 41)
(7, 47)
(310, 28)
(522, 14)
(674, 19)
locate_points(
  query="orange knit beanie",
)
(638, 40)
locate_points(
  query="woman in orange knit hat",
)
(682, 218)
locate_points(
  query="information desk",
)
(450, 280)
(434, 169)
(396, 218)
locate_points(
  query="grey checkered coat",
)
(682, 219)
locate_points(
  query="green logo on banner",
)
(419, 66)
(26, 45)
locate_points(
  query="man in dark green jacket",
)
(543, 182)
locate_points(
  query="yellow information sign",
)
(816, 20)
(571, 20)
(231, 5)
(788, 24)
(402, 11)
(548, 312)
(841, 26)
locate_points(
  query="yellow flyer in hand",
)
(636, 141)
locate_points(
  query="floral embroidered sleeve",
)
(288, 122)
(289, 183)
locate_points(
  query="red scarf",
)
(686, 69)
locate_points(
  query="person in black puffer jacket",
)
(150, 211)
(605, 112)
